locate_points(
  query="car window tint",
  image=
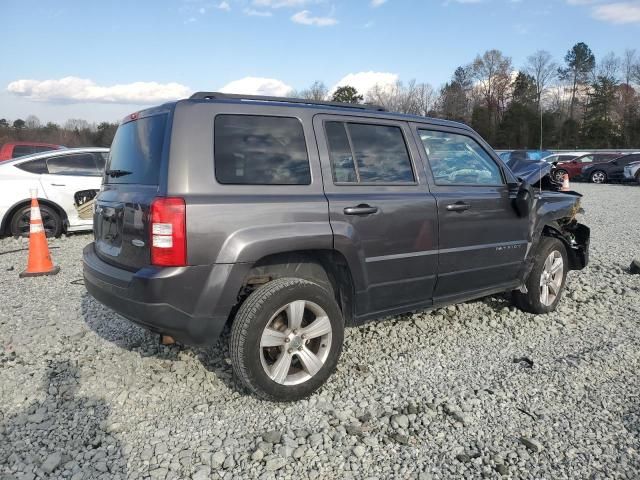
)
(101, 161)
(381, 153)
(136, 151)
(340, 153)
(459, 160)
(42, 148)
(77, 164)
(34, 166)
(627, 160)
(566, 158)
(260, 150)
(21, 151)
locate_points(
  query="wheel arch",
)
(554, 230)
(328, 268)
(6, 220)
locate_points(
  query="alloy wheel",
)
(551, 278)
(598, 177)
(295, 343)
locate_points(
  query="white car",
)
(632, 171)
(67, 182)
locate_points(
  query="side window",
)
(78, 164)
(459, 160)
(340, 154)
(101, 161)
(587, 159)
(34, 166)
(42, 148)
(21, 151)
(260, 150)
(379, 151)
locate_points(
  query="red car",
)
(20, 149)
(574, 167)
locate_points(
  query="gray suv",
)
(289, 219)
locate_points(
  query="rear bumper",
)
(191, 304)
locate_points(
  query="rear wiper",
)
(117, 173)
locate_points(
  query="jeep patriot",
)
(290, 219)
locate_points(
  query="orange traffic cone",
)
(565, 184)
(39, 258)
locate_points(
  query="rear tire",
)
(598, 177)
(558, 175)
(544, 285)
(286, 339)
(51, 220)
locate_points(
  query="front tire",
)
(286, 339)
(51, 221)
(598, 177)
(559, 175)
(547, 279)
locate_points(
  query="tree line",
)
(579, 102)
(74, 133)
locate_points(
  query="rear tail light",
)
(168, 232)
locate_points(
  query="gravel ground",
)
(478, 389)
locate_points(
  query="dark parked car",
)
(292, 219)
(574, 167)
(611, 171)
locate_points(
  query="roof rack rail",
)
(263, 98)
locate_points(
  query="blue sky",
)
(102, 60)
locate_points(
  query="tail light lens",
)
(168, 232)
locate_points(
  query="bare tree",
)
(32, 122)
(412, 98)
(492, 72)
(543, 70)
(317, 92)
(608, 67)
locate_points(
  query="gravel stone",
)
(274, 464)
(88, 395)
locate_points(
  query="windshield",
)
(136, 151)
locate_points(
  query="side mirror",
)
(574, 161)
(524, 200)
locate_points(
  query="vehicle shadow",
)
(65, 431)
(126, 335)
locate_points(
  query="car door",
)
(616, 170)
(71, 181)
(381, 212)
(482, 240)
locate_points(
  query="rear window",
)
(21, 151)
(260, 150)
(136, 151)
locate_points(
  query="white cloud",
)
(83, 90)
(619, 12)
(252, 12)
(258, 86)
(280, 3)
(365, 81)
(224, 6)
(377, 3)
(305, 18)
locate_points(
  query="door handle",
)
(458, 207)
(58, 185)
(363, 209)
